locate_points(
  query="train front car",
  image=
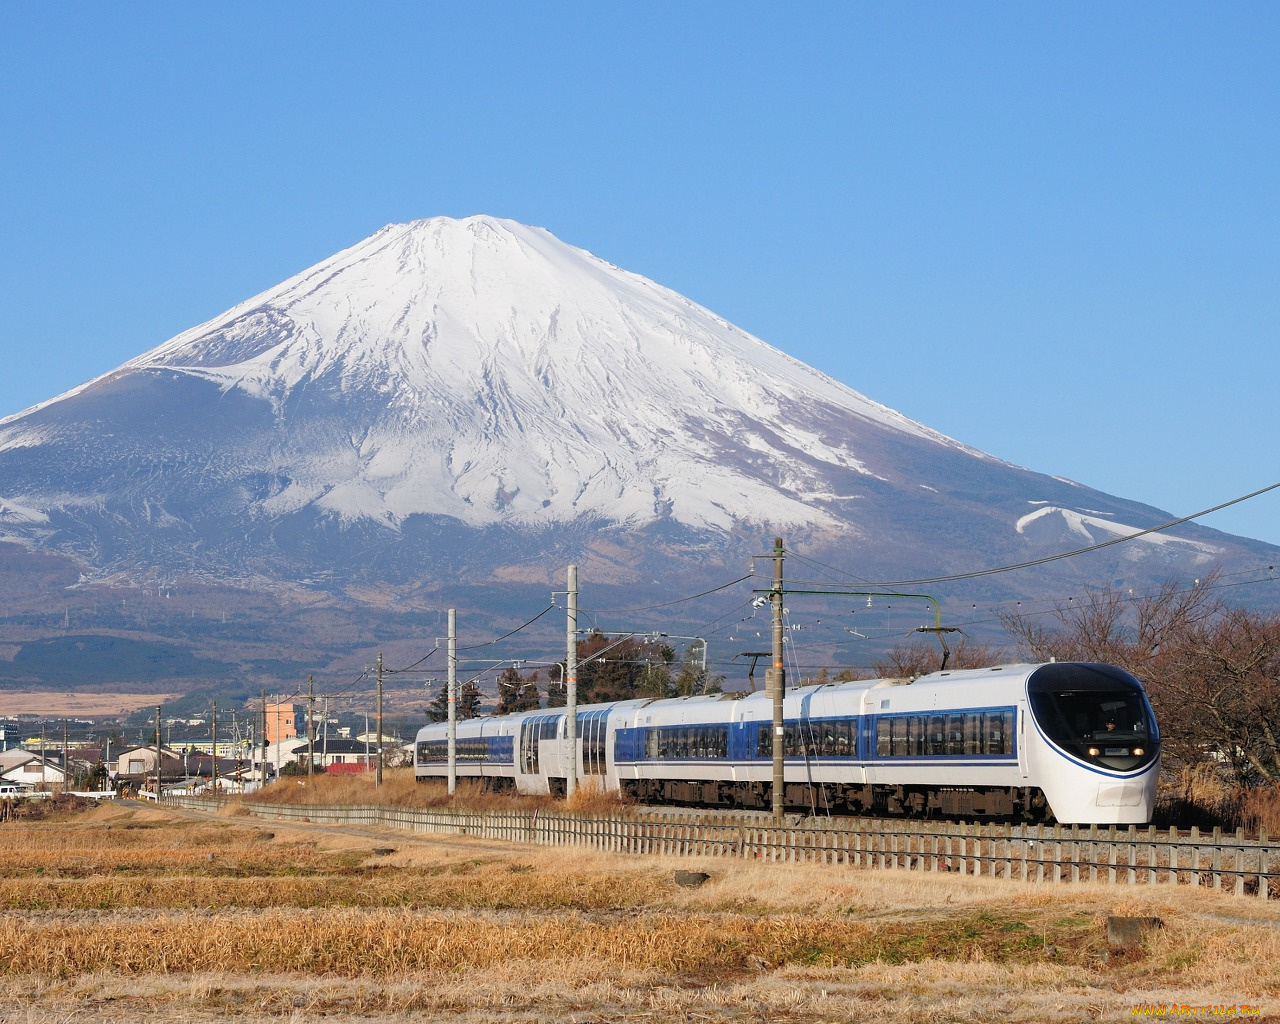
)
(1096, 747)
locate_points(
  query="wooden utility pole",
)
(776, 681)
(213, 771)
(159, 754)
(571, 683)
(311, 725)
(378, 776)
(264, 737)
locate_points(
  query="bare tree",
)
(1212, 672)
(920, 657)
(1224, 691)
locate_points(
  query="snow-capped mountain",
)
(461, 401)
(484, 371)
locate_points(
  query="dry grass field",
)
(56, 704)
(133, 913)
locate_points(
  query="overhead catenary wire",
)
(975, 574)
(679, 600)
(499, 639)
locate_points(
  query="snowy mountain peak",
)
(486, 371)
(475, 401)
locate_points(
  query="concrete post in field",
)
(453, 700)
(571, 684)
(311, 726)
(213, 736)
(377, 779)
(776, 680)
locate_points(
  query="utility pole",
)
(213, 773)
(776, 680)
(378, 777)
(311, 725)
(66, 758)
(159, 754)
(264, 737)
(452, 691)
(571, 683)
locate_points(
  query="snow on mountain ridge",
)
(1094, 528)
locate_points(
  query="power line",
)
(526, 625)
(680, 600)
(1063, 554)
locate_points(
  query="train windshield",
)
(1096, 712)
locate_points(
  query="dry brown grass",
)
(1200, 795)
(400, 789)
(148, 915)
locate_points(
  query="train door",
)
(538, 754)
(866, 734)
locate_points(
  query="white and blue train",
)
(1071, 742)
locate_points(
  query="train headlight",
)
(1138, 751)
(1094, 751)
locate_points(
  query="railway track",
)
(1231, 862)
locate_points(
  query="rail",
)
(1032, 853)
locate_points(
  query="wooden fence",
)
(1033, 853)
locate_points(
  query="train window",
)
(591, 732)
(915, 735)
(898, 737)
(937, 735)
(1079, 707)
(973, 733)
(883, 748)
(955, 734)
(998, 728)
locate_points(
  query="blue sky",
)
(1050, 231)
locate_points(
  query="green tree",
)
(509, 684)
(438, 709)
(468, 706)
(612, 668)
(692, 677)
(469, 699)
(516, 692)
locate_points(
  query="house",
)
(36, 773)
(138, 761)
(344, 754)
(135, 769)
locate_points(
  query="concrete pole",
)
(453, 700)
(159, 754)
(377, 779)
(263, 776)
(213, 736)
(311, 725)
(777, 680)
(571, 684)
